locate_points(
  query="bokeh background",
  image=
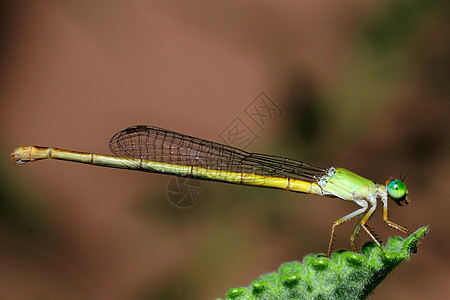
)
(361, 84)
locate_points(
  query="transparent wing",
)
(161, 145)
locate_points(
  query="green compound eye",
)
(396, 189)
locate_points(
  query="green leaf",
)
(347, 275)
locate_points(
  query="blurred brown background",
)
(362, 85)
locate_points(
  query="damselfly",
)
(156, 150)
